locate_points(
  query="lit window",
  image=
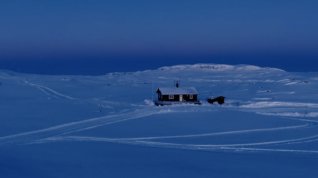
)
(171, 97)
(190, 97)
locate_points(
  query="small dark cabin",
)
(168, 96)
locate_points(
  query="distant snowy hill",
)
(217, 68)
(108, 126)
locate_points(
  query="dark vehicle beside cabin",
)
(219, 100)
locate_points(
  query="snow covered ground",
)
(107, 126)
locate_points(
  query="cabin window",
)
(171, 97)
(191, 97)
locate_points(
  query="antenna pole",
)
(177, 83)
(152, 90)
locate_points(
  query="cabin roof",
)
(178, 91)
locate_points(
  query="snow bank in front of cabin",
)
(265, 104)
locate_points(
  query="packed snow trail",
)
(72, 127)
(242, 147)
(218, 133)
(48, 91)
(143, 139)
(207, 147)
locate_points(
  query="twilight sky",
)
(266, 32)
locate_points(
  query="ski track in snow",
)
(48, 91)
(55, 133)
(218, 133)
(289, 141)
(246, 147)
(222, 147)
(72, 127)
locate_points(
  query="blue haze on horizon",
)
(95, 37)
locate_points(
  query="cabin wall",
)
(187, 98)
(177, 98)
(166, 98)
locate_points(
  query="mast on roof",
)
(177, 83)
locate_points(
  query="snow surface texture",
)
(108, 126)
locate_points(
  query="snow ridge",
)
(218, 68)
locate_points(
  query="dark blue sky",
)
(79, 33)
